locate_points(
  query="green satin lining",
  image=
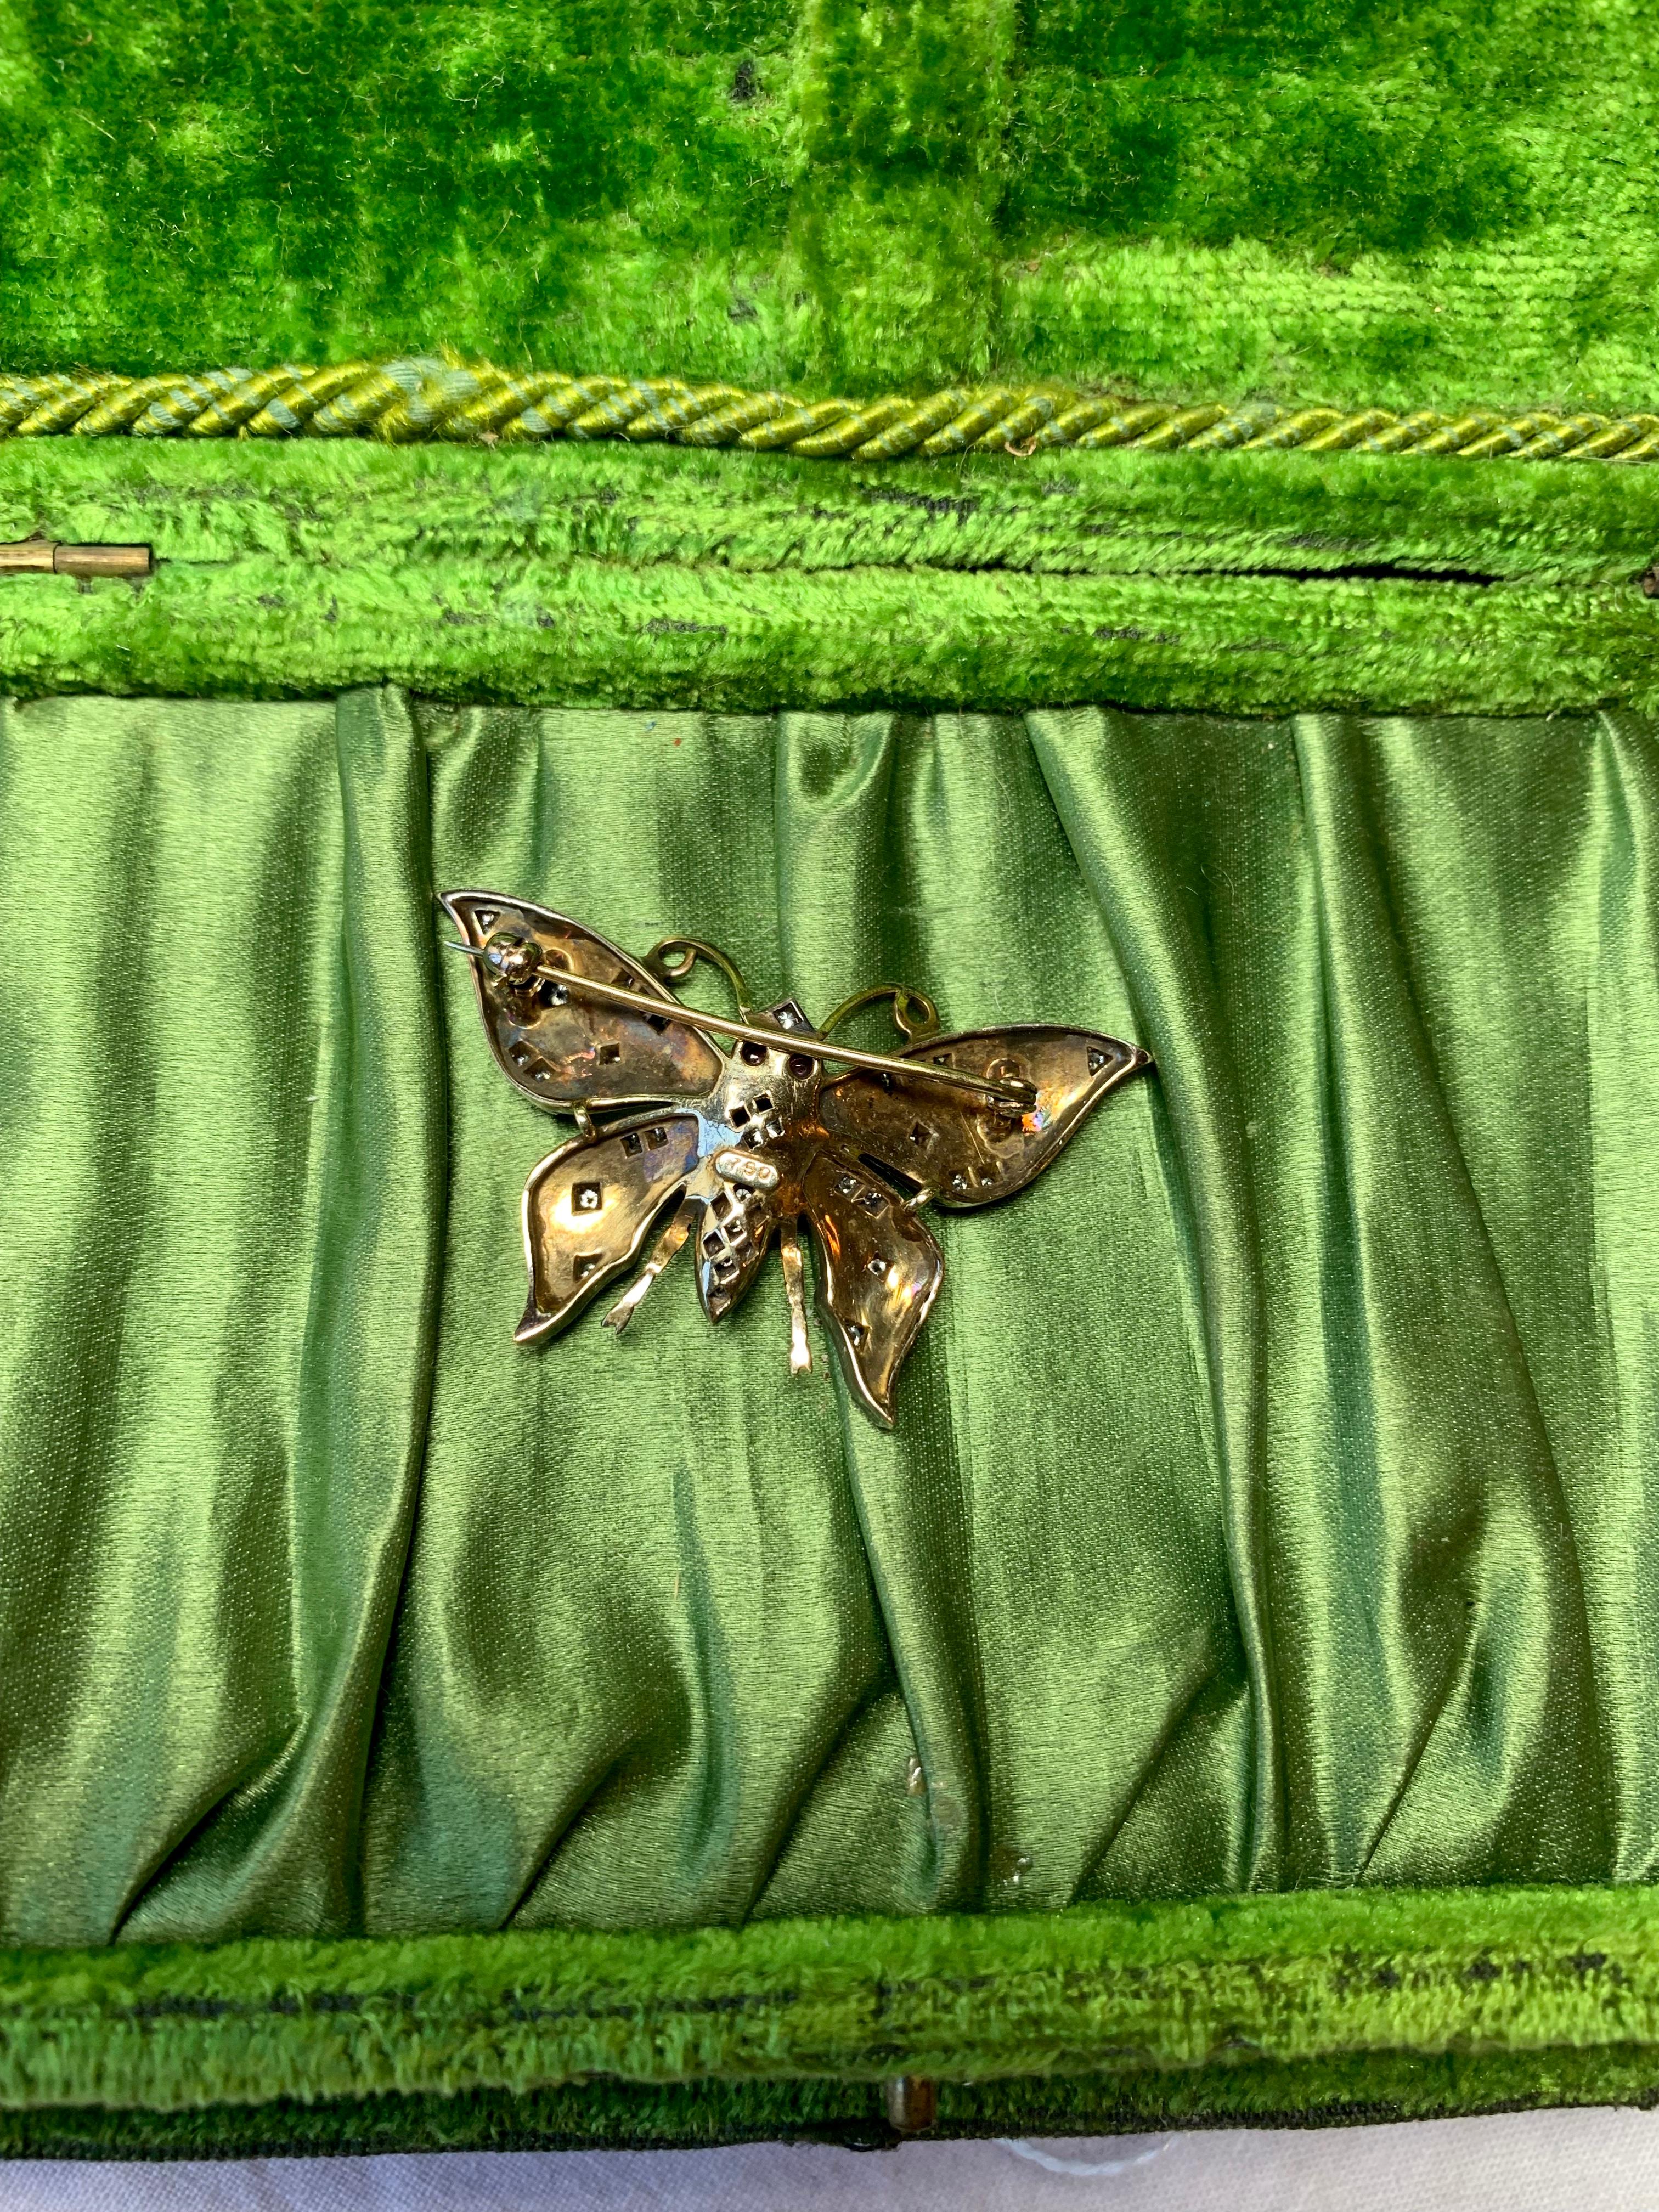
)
(1271, 1503)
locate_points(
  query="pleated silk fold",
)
(1274, 1499)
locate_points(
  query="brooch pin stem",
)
(1008, 1092)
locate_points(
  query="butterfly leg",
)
(684, 1221)
(794, 1282)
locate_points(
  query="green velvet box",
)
(1128, 517)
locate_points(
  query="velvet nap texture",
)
(1240, 583)
(1326, 2007)
(1269, 1506)
(1328, 202)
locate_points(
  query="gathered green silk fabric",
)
(1274, 1498)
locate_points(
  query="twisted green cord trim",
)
(414, 400)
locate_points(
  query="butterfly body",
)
(732, 1149)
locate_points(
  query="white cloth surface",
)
(1571, 2162)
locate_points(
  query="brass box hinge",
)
(41, 556)
(912, 2104)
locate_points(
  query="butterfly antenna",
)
(667, 1245)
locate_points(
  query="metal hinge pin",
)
(41, 556)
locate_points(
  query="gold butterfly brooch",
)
(729, 1148)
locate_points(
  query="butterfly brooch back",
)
(726, 1150)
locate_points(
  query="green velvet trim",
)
(1327, 202)
(1330, 2005)
(623, 2115)
(352, 504)
(663, 578)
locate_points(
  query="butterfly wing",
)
(566, 1052)
(878, 1271)
(963, 1154)
(589, 1206)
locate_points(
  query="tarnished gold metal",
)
(590, 990)
(915, 1014)
(912, 2104)
(41, 556)
(726, 1151)
(672, 959)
